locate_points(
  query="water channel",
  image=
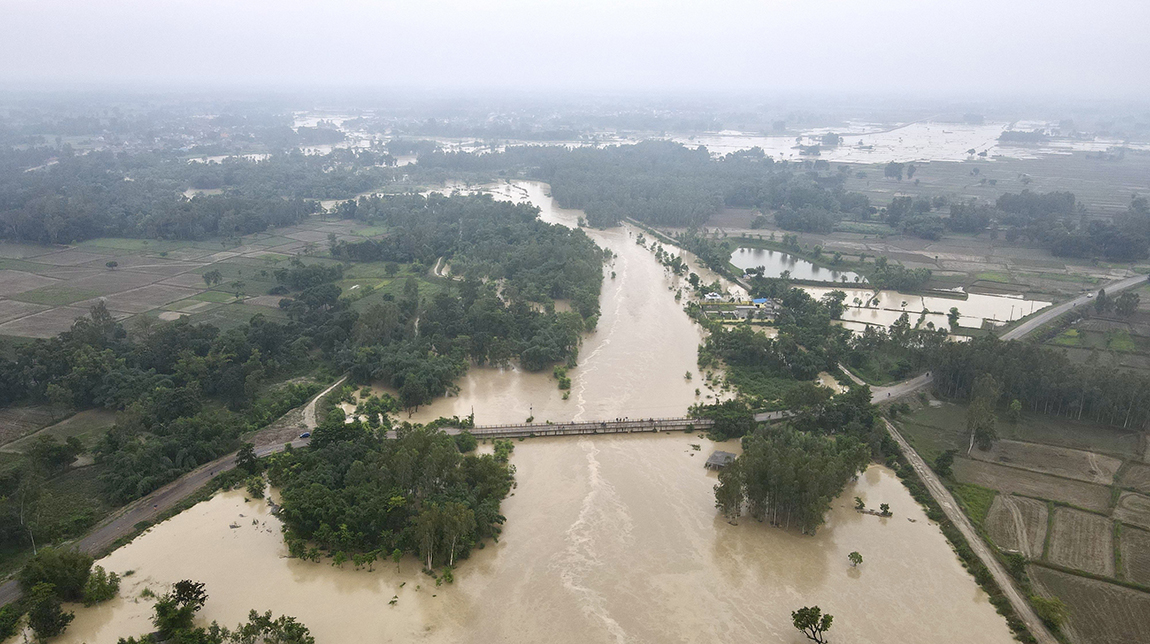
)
(611, 539)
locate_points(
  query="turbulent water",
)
(611, 539)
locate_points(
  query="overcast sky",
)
(1096, 48)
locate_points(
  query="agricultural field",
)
(18, 422)
(43, 289)
(1099, 612)
(1010, 480)
(1047, 459)
(1018, 524)
(88, 426)
(1133, 508)
(1136, 476)
(1135, 547)
(1083, 541)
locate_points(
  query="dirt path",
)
(124, 521)
(1019, 524)
(1017, 600)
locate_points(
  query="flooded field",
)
(612, 539)
(775, 263)
(862, 307)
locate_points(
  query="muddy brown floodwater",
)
(609, 539)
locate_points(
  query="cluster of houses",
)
(761, 308)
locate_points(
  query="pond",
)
(775, 263)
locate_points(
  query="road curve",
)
(1018, 601)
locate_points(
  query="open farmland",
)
(1047, 459)
(1017, 523)
(1133, 508)
(1137, 476)
(1009, 480)
(1135, 547)
(17, 422)
(43, 289)
(1082, 541)
(1099, 612)
(87, 425)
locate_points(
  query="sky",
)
(1096, 49)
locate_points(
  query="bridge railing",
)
(630, 422)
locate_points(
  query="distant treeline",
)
(101, 194)
(664, 183)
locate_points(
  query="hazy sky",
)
(987, 47)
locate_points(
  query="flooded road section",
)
(608, 540)
(633, 364)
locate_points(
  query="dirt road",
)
(942, 495)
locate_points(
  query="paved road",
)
(1052, 312)
(152, 506)
(942, 495)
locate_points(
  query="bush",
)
(101, 586)
(9, 619)
(1052, 611)
(45, 616)
(466, 442)
(255, 487)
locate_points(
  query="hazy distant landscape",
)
(587, 322)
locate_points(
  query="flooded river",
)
(613, 539)
(634, 364)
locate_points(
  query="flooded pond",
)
(885, 307)
(775, 263)
(613, 540)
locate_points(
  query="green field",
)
(214, 296)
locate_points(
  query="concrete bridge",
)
(575, 428)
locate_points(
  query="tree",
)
(944, 462)
(255, 487)
(66, 571)
(732, 418)
(246, 458)
(813, 623)
(1126, 304)
(45, 616)
(213, 277)
(884, 509)
(112, 264)
(855, 558)
(859, 504)
(1014, 413)
(893, 171)
(1102, 302)
(953, 317)
(980, 418)
(101, 586)
(176, 610)
(60, 397)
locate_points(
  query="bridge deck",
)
(589, 427)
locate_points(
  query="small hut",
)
(719, 460)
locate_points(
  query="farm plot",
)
(1048, 459)
(17, 422)
(1017, 523)
(72, 257)
(143, 299)
(1099, 613)
(1135, 547)
(1082, 541)
(1133, 508)
(1137, 476)
(1011, 480)
(47, 323)
(86, 425)
(11, 309)
(20, 281)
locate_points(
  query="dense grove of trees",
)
(512, 268)
(788, 474)
(666, 184)
(361, 496)
(1044, 381)
(1057, 221)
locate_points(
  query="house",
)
(719, 460)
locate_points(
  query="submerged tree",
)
(811, 621)
(855, 558)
